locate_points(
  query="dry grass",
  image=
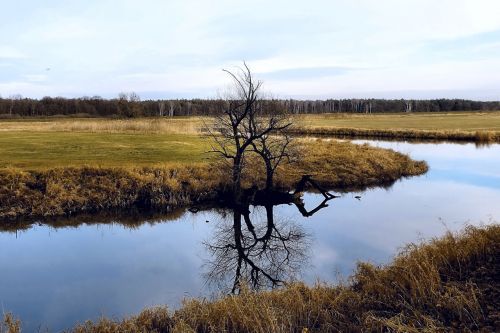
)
(482, 127)
(177, 125)
(446, 284)
(424, 121)
(71, 190)
(66, 191)
(481, 136)
(10, 324)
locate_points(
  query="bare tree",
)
(243, 124)
(129, 104)
(273, 149)
(133, 97)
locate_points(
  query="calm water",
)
(53, 278)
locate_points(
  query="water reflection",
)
(260, 249)
(132, 218)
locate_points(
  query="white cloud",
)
(182, 45)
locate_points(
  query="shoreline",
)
(480, 137)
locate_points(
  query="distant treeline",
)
(129, 105)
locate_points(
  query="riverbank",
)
(482, 127)
(398, 134)
(46, 192)
(445, 284)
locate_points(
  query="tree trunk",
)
(269, 175)
(237, 176)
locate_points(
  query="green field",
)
(460, 121)
(53, 149)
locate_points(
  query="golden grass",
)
(10, 324)
(177, 125)
(71, 190)
(482, 127)
(445, 284)
(425, 121)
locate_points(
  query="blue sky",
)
(300, 49)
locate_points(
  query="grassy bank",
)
(459, 126)
(446, 284)
(397, 134)
(42, 192)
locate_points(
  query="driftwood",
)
(308, 179)
(271, 197)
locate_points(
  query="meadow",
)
(51, 142)
(42, 143)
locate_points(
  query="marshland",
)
(133, 256)
(229, 166)
(135, 224)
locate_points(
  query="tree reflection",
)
(257, 248)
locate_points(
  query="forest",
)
(129, 105)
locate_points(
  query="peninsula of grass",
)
(482, 127)
(448, 284)
(45, 174)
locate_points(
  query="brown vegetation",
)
(67, 191)
(447, 284)
(177, 125)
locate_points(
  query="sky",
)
(299, 49)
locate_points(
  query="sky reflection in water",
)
(57, 277)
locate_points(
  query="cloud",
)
(322, 48)
(305, 73)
